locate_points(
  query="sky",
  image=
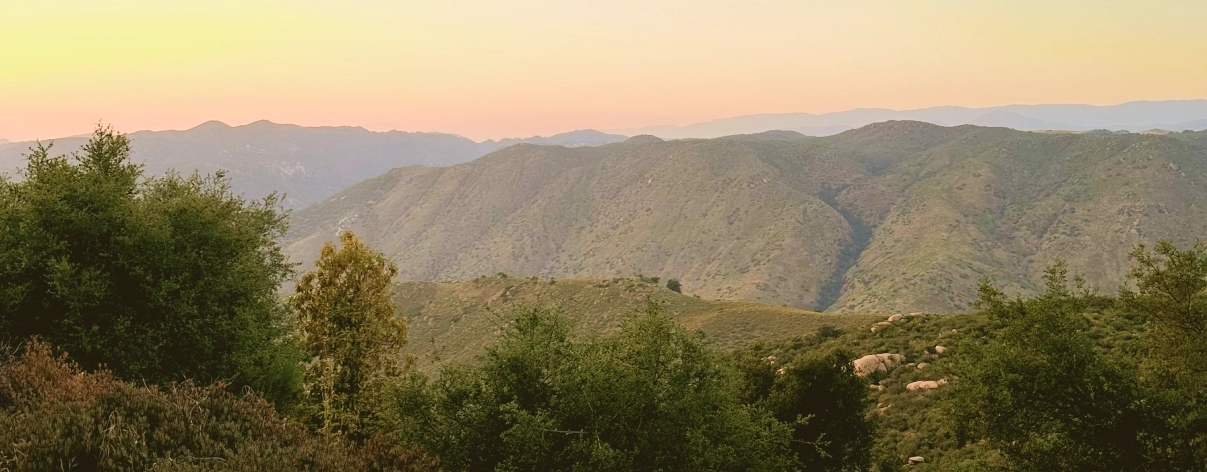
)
(516, 68)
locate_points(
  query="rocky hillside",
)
(892, 217)
(307, 165)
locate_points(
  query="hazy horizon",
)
(86, 132)
(488, 71)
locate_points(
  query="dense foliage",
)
(156, 278)
(1043, 395)
(53, 417)
(351, 335)
(821, 398)
(650, 397)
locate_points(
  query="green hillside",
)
(453, 322)
(892, 217)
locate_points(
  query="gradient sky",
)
(491, 69)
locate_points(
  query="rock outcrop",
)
(923, 385)
(872, 363)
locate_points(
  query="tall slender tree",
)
(349, 330)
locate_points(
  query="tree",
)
(820, 396)
(650, 397)
(350, 333)
(1171, 286)
(156, 278)
(1170, 295)
(1041, 394)
(673, 285)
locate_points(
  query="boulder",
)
(917, 314)
(895, 318)
(923, 366)
(940, 349)
(872, 363)
(916, 460)
(922, 385)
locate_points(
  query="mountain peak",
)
(210, 125)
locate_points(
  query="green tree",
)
(349, 331)
(156, 278)
(650, 397)
(820, 396)
(1170, 295)
(1041, 394)
(674, 286)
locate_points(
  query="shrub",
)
(651, 397)
(157, 278)
(819, 395)
(1042, 395)
(55, 417)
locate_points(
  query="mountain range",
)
(304, 164)
(1173, 115)
(891, 217)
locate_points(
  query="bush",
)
(157, 278)
(54, 417)
(673, 285)
(1042, 395)
(651, 397)
(819, 395)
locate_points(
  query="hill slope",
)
(305, 164)
(453, 322)
(892, 217)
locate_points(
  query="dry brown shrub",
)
(53, 416)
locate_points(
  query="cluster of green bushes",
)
(1043, 394)
(651, 397)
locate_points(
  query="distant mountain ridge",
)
(1173, 115)
(892, 217)
(305, 164)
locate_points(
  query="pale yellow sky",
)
(490, 69)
